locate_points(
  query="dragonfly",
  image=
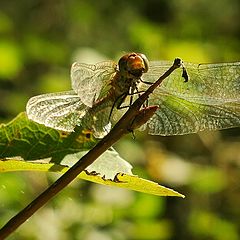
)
(209, 100)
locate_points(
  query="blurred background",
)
(38, 42)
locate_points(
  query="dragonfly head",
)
(133, 64)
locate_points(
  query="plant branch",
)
(131, 120)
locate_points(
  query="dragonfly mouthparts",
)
(136, 72)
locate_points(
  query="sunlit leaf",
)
(32, 141)
(107, 166)
(29, 140)
(122, 180)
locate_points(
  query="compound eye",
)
(146, 62)
(122, 63)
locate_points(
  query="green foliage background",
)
(38, 42)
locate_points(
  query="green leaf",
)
(32, 141)
(122, 180)
(29, 140)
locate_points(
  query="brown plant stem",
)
(126, 124)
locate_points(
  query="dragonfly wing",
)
(210, 100)
(97, 119)
(62, 111)
(88, 80)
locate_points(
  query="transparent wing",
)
(63, 110)
(97, 118)
(88, 80)
(210, 100)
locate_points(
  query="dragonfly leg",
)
(145, 104)
(134, 90)
(145, 82)
(122, 97)
(131, 96)
(131, 99)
